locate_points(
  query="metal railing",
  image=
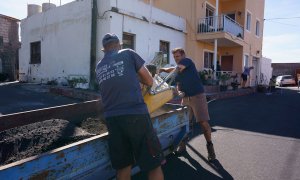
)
(220, 24)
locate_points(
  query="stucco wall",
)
(147, 33)
(237, 53)
(265, 70)
(253, 45)
(193, 10)
(64, 33)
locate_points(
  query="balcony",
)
(228, 32)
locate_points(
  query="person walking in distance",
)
(245, 75)
(132, 139)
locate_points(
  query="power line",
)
(292, 27)
(284, 23)
(270, 19)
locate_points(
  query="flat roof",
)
(8, 17)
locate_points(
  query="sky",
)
(281, 41)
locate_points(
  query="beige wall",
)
(234, 6)
(237, 53)
(193, 10)
(254, 43)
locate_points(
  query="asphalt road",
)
(18, 97)
(255, 137)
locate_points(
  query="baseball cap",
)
(108, 38)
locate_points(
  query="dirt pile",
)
(94, 125)
(33, 139)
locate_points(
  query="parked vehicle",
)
(285, 80)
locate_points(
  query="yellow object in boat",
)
(155, 101)
(161, 93)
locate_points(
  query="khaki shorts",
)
(197, 106)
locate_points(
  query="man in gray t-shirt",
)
(132, 139)
(119, 85)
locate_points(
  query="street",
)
(255, 137)
(18, 97)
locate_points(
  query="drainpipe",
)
(93, 83)
(216, 41)
(150, 28)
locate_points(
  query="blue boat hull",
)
(90, 157)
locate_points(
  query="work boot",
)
(181, 148)
(210, 151)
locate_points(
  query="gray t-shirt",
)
(119, 85)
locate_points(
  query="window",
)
(287, 77)
(209, 13)
(35, 52)
(248, 21)
(1, 41)
(257, 28)
(164, 47)
(208, 59)
(128, 41)
(231, 15)
(246, 61)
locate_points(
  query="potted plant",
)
(234, 84)
(262, 85)
(202, 75)
(78, 82)
(224, 81)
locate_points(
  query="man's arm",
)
(145, 76)
(168, 70)
(178, 91)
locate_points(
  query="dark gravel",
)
(33, 139)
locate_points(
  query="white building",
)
(57, 43)
(265, 70)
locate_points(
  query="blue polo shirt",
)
(119, 85)
(189, 80)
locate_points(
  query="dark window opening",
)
(35, 52)
(231, 15)
(128, 41)
(208, 59)
(257, 28)
(1, 41)
(164, 47)
(209, 13)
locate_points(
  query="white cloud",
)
(282, 48)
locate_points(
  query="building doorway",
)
(254, 72)
(227, 63)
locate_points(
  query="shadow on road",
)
(275, 114)
(178, 169)
(216, 165)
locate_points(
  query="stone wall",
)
(285, 68)
(9, 45)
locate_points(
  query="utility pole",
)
(216, 40)
(93, 51)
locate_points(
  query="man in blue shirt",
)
(245, 75)
(132, 139)
(189, 82)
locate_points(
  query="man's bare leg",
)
(206, 130)
(156, 174)
(124, 174)
(207, 134)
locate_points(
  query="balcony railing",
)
(220, 24)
